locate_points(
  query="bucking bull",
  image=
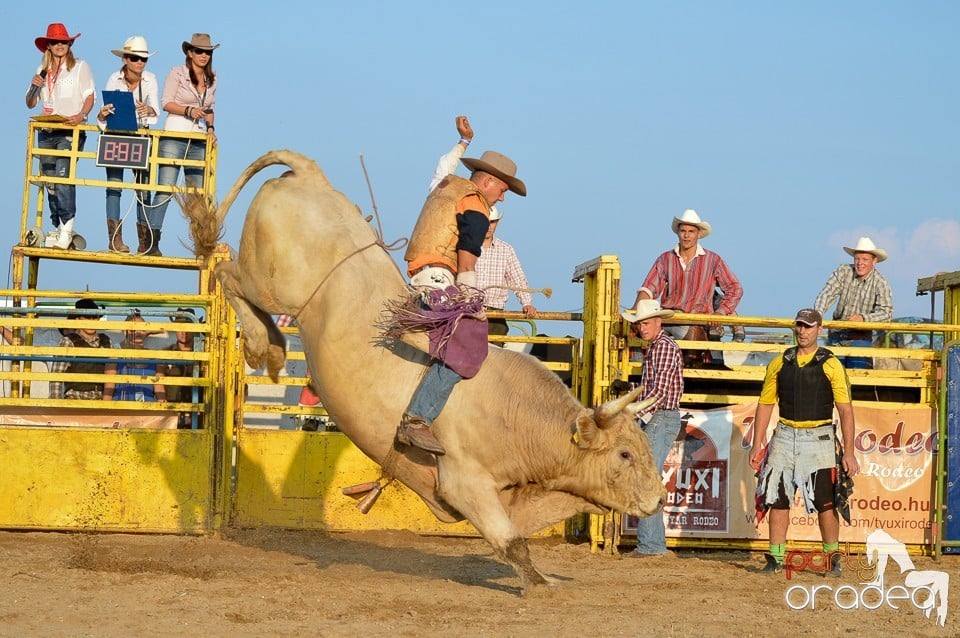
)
(522, 452)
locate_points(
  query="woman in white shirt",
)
(64, 86)
(131, 78)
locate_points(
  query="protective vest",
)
(85, 367)
(805, 393)
(435, 236)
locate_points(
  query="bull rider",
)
(441, 263)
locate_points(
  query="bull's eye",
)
(625, 455)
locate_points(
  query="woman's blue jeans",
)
(173, 148)
(113, 194)
(61, 197)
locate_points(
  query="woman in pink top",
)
(189, 94)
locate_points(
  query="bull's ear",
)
(586, 432)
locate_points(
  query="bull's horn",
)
(613, 406)
(640, 406)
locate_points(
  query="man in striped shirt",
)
(861, 293)
(662, 379)
(684, 278)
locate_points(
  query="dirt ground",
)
(282, 583)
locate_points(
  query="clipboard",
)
(124, 116)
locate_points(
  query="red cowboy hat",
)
(55, 31)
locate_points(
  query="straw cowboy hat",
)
(199, 41)
(500, 166)
(690, 216)
(646, 309)
(135, 45)
(57, 32)
(495, 214)
(866, 245)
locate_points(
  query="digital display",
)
(123, 151)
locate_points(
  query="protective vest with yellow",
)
(805, 392)
(435, 236)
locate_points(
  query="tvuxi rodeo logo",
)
(925, 590)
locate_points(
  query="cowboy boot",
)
(115, 236)
(143, 238)
(415, 431)
(149, 240)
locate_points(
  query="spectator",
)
(189, 95)
(64, 87)
(684, 279)
(662, 378)
(862, 294)
(499, 270)
(807, 381)
(82, 338)
(131, 78)
(148, 392)
(185, 343)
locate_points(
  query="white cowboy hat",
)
(495, 214)
(690, 216)
(866, 245)
(646, 308)
(134, 45)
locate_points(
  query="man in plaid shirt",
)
(78, 339)
(862, 294)
(499, 270)
(662, 378)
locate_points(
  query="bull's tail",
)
(206, 218)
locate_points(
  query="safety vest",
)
(435, 236)
(805, 392)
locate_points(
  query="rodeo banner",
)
(710, 484)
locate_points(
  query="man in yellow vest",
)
(441, 259)
(804, 454)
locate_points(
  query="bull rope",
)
(547, 292)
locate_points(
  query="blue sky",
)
(793, 128)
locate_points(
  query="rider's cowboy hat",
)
(135, 45)
(690, 217)
(199, 41)
(56, 32)
(500, 166)
(646, 309)
(866, 245)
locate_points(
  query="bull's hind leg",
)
(263, 341)
(479, 503)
